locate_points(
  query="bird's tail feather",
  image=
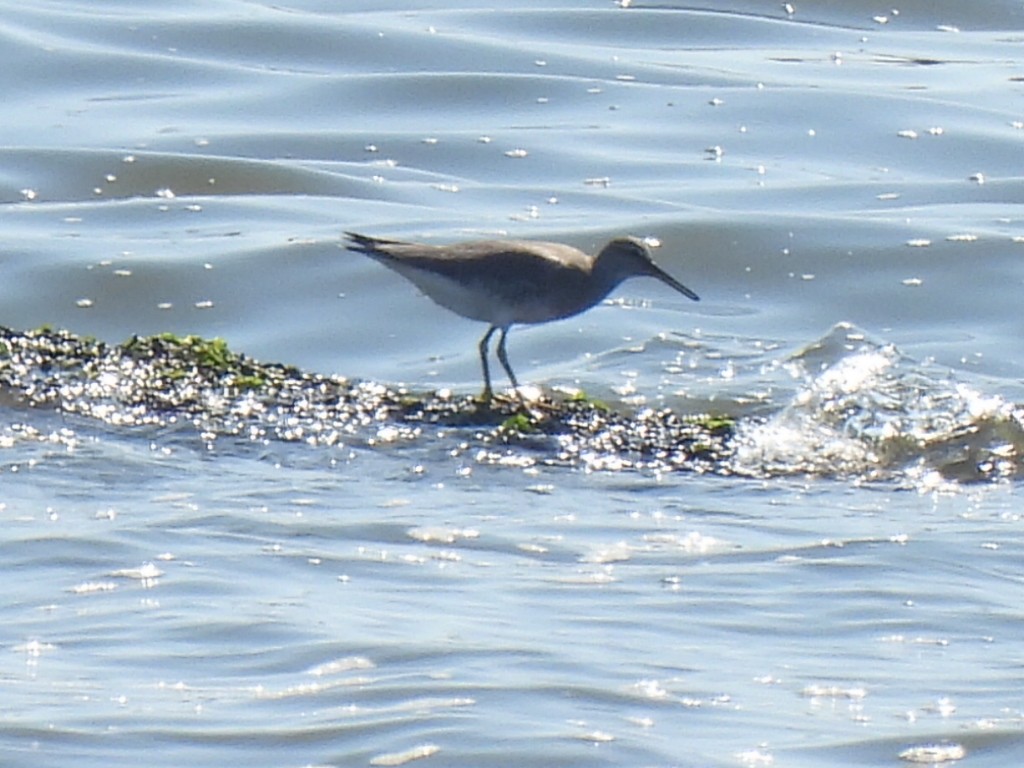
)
(366, 244)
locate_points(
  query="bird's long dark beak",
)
(670, 281)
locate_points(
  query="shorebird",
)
(509, 282)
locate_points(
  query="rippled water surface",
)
(841, 184)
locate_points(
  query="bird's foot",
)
(526, 403)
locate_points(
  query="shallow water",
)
(840, 185)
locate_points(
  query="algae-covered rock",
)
(168, 379)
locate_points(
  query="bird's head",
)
(626, 257)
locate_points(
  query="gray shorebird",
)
(505, 282)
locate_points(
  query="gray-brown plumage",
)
(504, 282)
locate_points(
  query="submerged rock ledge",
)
(165, 380)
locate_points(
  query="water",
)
(840, 186)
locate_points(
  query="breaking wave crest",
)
(864, 409)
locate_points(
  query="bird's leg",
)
(488, 393)
(503, 358)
